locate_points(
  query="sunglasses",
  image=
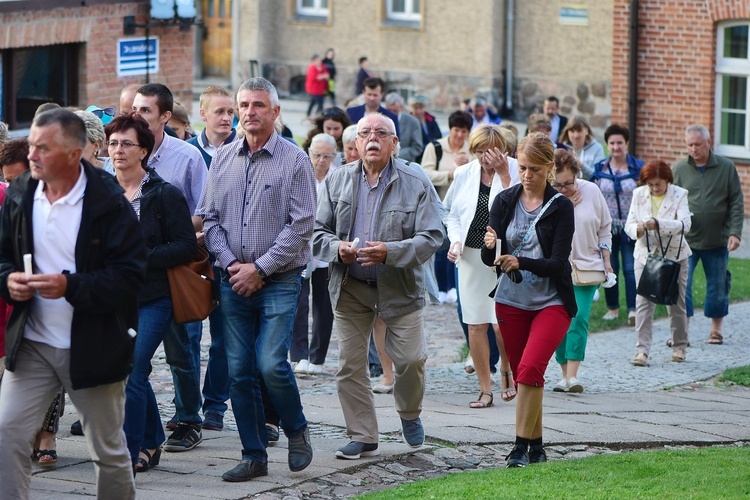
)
(101, 112)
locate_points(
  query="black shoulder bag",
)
(659, 281)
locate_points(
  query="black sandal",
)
(481, 404)
(143, 465)
(46, 457)
(508, 388)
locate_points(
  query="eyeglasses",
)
(101, 112)
(318, 156)
(124, 144)
(568, 184)
(382, 134)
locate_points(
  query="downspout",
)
(509, 21)
(633, 78)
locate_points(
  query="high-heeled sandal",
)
(482, 404)
(144, 464)
(508, 388)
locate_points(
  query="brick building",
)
(693, 66)
(509, 51)
(66, 51)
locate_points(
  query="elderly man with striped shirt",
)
(258, 209)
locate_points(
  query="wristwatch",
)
(261, 274)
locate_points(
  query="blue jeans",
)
(718, 281)
(143, 428)
(445, 271)
(258, 333)
(193, 333)
(622, 248)
(216, 383)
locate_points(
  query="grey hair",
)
(702, 130)
(394, 98)
(94, 127)
(4, 136)
(259, 83)
(388, 122)
(323, 140)
(349, 135)
(480, 101)
(73, 128)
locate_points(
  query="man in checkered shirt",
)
(258, 209)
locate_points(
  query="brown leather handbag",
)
(191, 285)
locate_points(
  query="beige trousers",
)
(404, 343)
(25, 396)
(644, 314)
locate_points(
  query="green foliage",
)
(739, 376)
(740, 292)
(697, 473)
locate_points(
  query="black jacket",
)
(168, 231)
(555, 233)
(110, 270)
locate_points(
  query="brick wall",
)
(676, 79)
(99, 27)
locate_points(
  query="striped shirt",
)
(260, 207)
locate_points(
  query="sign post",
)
(137, 56)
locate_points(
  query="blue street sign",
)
(134, 55)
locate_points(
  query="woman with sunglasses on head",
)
(94, 136)
(589, 258)
(170, 239)
(532, 225)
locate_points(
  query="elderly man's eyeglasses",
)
(318, 156)
(124, 144)
(382, 134)
(568, 184)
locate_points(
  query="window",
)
(403, 10)
(732, 73)
(314, 8)
(35, 75)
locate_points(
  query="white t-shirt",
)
(55, 229)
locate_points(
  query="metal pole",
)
(633, 79)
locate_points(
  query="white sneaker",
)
(313, 369)
(442, 297)
(303, 367)
(631, 318)
(451, 296)
(574, 385)
(561, 386)
(610, 315)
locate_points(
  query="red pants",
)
(531, 338)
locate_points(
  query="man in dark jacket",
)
(73, 308)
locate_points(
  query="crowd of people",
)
(375, 216)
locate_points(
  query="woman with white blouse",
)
(467, 204)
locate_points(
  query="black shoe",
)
(537, 455)
(518, 457)
(213, 421)
(355, 449)
(184, 438)
(245, 471)
(273, 433)
(76, 428)
(300, 451)
(375, 370)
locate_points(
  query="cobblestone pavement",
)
(624, 407)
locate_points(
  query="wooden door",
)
(217, 40)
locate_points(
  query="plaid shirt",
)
(260, 207)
